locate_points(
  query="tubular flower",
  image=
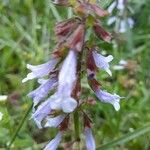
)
(106, 97)
(90, 142)
(58, 96)
(103, 62)
(42, 91)
(40, 70)
(66, 79)
(42, 111)
(53, 144)
(54, 122)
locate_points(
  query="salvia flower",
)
(102, 62)
(40, 70)
(42, 91)
(58, 96)
(54, 143)
(42, 111)
(106, 97)
(62, 98)
(90, 142)
(55, 121)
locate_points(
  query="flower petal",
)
(68, 104)
(90, 142)
(54, 143)
(55, 101)
(43, 90)
(54, 122)
(43, 110)
(67, 75)
(40, 70)
(102, 62)
(106, 97)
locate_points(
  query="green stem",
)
(19, 127)
(76, 126)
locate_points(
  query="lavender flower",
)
(42, 111)
(103, 62)
(106, 97)
(40, 70)
(90, 142)
(54, 143)
(67, 77)
(54, 122)
(43, 90)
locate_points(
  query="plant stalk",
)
(19, 127)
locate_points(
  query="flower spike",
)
(59, 95)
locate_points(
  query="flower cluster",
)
(121, 19)
(59, 93)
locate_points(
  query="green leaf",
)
(55, 12)
(126, 138)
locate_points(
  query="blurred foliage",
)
(26, 36)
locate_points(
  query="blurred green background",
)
(27, 36)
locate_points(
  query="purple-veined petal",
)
(54, 122)
(90, 142)
(102, 62)
(43, 90)
(67, 75)
(68, 104)
(54, 143)
(42, 111)
(111, 7)
(106, 97)
(40, 70)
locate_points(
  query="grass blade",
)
(126, 138)
(55, 12)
